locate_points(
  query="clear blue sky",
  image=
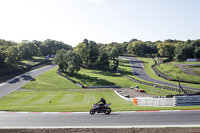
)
(103, 21)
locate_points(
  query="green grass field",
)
(80, 100)
(50, 81)
(61, 101)
(50, 92)
(29, 62)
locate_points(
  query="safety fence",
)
(162, 102)
(186, 100)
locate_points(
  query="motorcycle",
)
(99, 109)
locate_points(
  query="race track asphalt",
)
(139, 71)
(84, 119)
(17, 82)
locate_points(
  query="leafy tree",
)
(197, 52)
(11, 56)
(103, 59)
(68, 61)
(50, 47)
(27, 50)
(83, 50)
(88, 51)
(60, 59)
(187, 51)
(137, 48)
(73, 62)
(93, 52)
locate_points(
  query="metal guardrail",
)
(186, 100)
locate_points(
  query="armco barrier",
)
(186, 100)
(163, 102)
(175, 101)
(150, 101)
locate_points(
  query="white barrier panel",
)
(191, 59)
(125, 98)
(175, 101)
(150, 101)
(186, 100)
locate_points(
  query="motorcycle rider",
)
(103, 102)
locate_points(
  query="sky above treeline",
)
(103, 21)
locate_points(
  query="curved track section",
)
(139, 71)
(17, 82)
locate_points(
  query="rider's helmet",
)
(101, 98)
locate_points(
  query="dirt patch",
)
(187, 70)
(106, 130)
(133, 93)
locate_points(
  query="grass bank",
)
(50, 81)
(80, 100)
(148, 62)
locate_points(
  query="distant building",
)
(192, 59)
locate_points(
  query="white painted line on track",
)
(170, 110)
(1, 112)
(133, 126)
(2, 84)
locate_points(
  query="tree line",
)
(89, 53)
(11, 52)
(173, 49)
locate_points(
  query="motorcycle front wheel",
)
(108, 111)
(92, 111)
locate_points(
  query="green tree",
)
(68, 61)
(166, 49)
(50, 47)
(60, 59)
(138, 48)
(11, 56)
(73, 62)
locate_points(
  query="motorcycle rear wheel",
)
(92, 111)
(108, 111)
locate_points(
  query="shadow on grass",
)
(144, 62)
(95, 81)
(106, 73)
(124, 71)
(167, 60)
